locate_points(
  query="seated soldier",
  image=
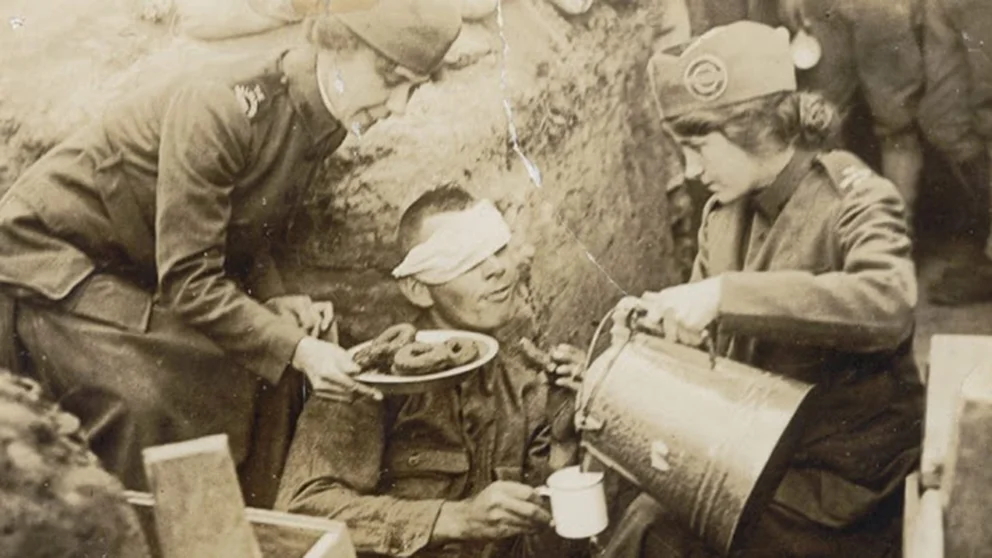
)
(448, 472)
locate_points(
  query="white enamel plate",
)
(392, 384)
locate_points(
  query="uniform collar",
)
(299, 72)
(770, 200)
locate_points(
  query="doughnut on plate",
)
(391, 384)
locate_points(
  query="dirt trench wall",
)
(600, 221)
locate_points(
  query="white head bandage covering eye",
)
(462, 241)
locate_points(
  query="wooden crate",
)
(948, 503)
(282, 535)
(952, 359)
(195, 510)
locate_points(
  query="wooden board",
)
(922, 521)
(967, 478)
(286, 535)
(929, 542)
(199, 510)
(280, 535)
(952, 358)
(329, 546)
(910, 512)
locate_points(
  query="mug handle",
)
(544, 491)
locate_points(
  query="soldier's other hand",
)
(568, 365)
(503, 509)
(564, 364)
(329, 369)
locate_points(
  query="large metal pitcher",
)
(707, 437)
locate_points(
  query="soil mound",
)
(55, 499)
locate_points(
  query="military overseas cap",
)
(416, 34)
(727, 65)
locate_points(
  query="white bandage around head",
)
(462, 241)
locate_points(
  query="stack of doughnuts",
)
(397, 351)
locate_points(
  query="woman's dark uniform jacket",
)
(138, 250)
(819, 285)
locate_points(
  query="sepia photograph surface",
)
(495, 278)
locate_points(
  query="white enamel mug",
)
(578, 502)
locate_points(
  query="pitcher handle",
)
(635, 322)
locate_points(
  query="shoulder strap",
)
(844, 169)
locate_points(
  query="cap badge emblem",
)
(706, 77)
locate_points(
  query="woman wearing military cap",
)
(137, 249)
(803, 270)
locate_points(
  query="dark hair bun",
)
(817, 120)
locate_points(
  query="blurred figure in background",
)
(956, 116)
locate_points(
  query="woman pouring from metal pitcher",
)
(803, 270)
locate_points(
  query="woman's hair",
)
(766, 124)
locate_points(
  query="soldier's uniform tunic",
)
(138, 252)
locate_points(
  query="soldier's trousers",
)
(134, 387)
